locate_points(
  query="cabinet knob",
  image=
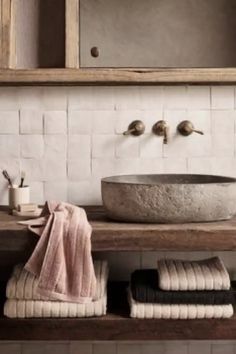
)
(95, 52)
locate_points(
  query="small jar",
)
(18, 195)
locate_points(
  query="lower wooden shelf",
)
(116, 325)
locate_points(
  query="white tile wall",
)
(55, 122)
(31, 121)
(73, 136)
(76, 347)
(66, 139)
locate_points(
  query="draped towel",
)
(62, 258)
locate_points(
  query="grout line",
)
(210, 88)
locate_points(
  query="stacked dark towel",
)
(145, 289)
(182, 290)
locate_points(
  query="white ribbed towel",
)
(207, 274)
(24, 302)
(36, 308)
(180, 312)
(22, 285)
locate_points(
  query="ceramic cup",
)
(17, 195)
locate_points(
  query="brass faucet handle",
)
(198, 131)
(135, 128)
(161, 128)
(186, 128)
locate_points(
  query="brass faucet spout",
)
(165, 140)
(161, 128)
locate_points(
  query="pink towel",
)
(62, 258)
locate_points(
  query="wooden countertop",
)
(118, 236)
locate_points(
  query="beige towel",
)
(181, 312)
(208, 274)
(29, 308)
(22, 285)
(62, 257)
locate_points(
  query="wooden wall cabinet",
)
(139, 42)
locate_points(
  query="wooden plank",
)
(117, 76)
(6, 29)
(72, 33)
(115, 327)
(117, 236)
(1, 56)
(13, 56)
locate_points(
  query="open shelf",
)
(116, 325)
(39, 34)
(16, 244)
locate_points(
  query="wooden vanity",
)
(16, 244)
(72, 42)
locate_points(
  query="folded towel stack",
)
(23, 300)
(182, 290)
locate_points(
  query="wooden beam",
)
(115, 327)
(6, 30)
(1, 55)
(72, 33)
(13, 57)
(118, 76)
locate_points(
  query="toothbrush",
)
(22, 179)
(6, 175)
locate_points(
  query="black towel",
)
(144, 288)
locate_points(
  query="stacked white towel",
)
(23, 301)
(180, 312)
(178, 275)
(207, 274)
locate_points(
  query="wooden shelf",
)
(116, 325)
(116, 76)
(16, 244)
(116, 236)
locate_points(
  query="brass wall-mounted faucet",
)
(161, 128)
(186, 128)
(135, 128)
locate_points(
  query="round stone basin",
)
(169, 198)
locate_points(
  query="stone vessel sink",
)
(169, 198)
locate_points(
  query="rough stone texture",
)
(169, 198)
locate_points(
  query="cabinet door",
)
(157, 33)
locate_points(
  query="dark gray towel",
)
(144, 288)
